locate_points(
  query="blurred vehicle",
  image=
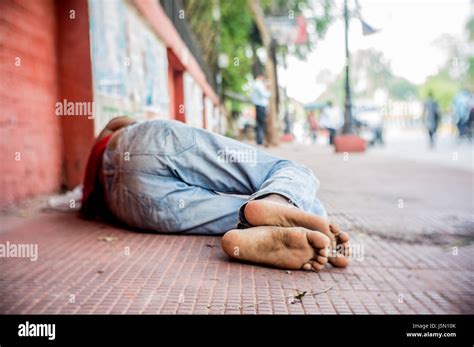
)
(368, 124)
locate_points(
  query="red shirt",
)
(94, 165)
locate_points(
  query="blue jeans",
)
(165, 176)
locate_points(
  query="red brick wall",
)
(28, 92)
(75, 85)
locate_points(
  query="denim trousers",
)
(167, 177)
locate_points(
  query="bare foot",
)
(339, 256)
(291, 248)
(274, 212)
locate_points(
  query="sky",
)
(408, 29)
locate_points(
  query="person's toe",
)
(307, 266)
(334, 228)
(322, 260)
(317, 240)
(252, 211)
(316, 265)
(339, 261)
(346, 249)
(343, 236)
(324, 252)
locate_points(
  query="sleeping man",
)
(164, 176)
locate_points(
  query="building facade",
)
(67, 67)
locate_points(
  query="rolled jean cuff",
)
(243, 223)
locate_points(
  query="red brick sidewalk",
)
(414, 222)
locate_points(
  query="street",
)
(413, 144)
(410, 222)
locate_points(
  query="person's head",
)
(430, 94)
(329, 103)
(260, 76)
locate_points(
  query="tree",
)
(257, 14)
(371, 71)
(457, 72)
(229, 34)
(443, 88)
(470, 38)
(290, 9)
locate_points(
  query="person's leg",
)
(380, 135)
(169, 172)
(433, 138)
(165, 204)
(332, 134)
(259, 125)
(313, 136)
(206, 160)
(231, 167)
(144, 192)
(256, 124)
(264, 125)
(460, 129)
(431, 135)
(220, 164)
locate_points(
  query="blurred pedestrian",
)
(288, 121)
(260, 96)
(329, 120)
(431, 117)
(461, 106)
(470, 122)
(313, 126)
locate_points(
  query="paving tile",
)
(408, 264)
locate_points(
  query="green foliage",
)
(446, 84)
(470, 28)
(294, 8)
(231, 35)
(443, 87)
(470, 69)
(401, 89)
(236, 24)
(370, 66)
(470, 73)
(228, 35)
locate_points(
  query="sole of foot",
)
(267, 212)
(292, 248)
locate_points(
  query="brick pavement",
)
(414, 222)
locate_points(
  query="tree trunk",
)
(257, 14)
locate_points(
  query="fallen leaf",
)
(300, 295)
(100, 271)
(209, 245)
(107, 238)
(288, 272)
